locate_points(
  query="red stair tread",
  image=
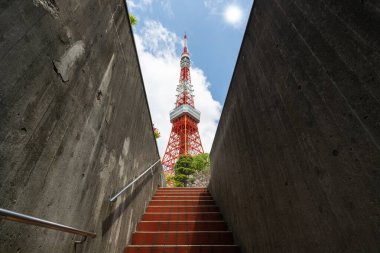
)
(194, 192)
(181, 202)
(182, 249)
(182, 188)
(182, 216)
(182, 220)
(181, 226)
(183, 238)
(183, 192)
(181, 198)
(205, 197)
(177, 209)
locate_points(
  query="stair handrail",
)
(134, 181)
(31, 220)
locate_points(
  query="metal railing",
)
(31, 220)
(27, 219)
(134, 181)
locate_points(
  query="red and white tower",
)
(184, 138)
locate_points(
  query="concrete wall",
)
(74, 124)
(296, 157)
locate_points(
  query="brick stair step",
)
(183, 195)
(162, 197)
(183, 238)
(198, 190)
(182, 220)
(181, 202)
(201, 194)
(184, 188)
(177, 209)
(181, 226)
(182, 192)
(182, 249)
(181, 216)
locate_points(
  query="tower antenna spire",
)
(185, 43)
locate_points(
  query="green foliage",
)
(186, 166)
(133, 19)
(169, 178)
(201, 162)
(184, 161)
(180, 180)
(182, 170)
(157, 133)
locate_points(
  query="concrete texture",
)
(296, 157)
(75, 124)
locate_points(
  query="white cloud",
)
(156, 47)
(157, 40)
(139, 4)
(233, 15)
(148, 5)
(167, 7)
(213, 5)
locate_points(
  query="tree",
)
(201, 162)
(183, 170)
(186, 166)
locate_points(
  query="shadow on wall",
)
(295, 160)
(75, 123)
(129, 198)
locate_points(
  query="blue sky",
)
(214, 43)
(215, 30)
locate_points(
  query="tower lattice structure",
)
(184, 138)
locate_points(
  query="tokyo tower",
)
(184, 138)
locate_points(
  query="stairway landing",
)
(182, 220)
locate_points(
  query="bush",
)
(186, 166)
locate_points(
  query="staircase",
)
(182, 220)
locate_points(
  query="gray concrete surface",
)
(296, 157)
(75, 125)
